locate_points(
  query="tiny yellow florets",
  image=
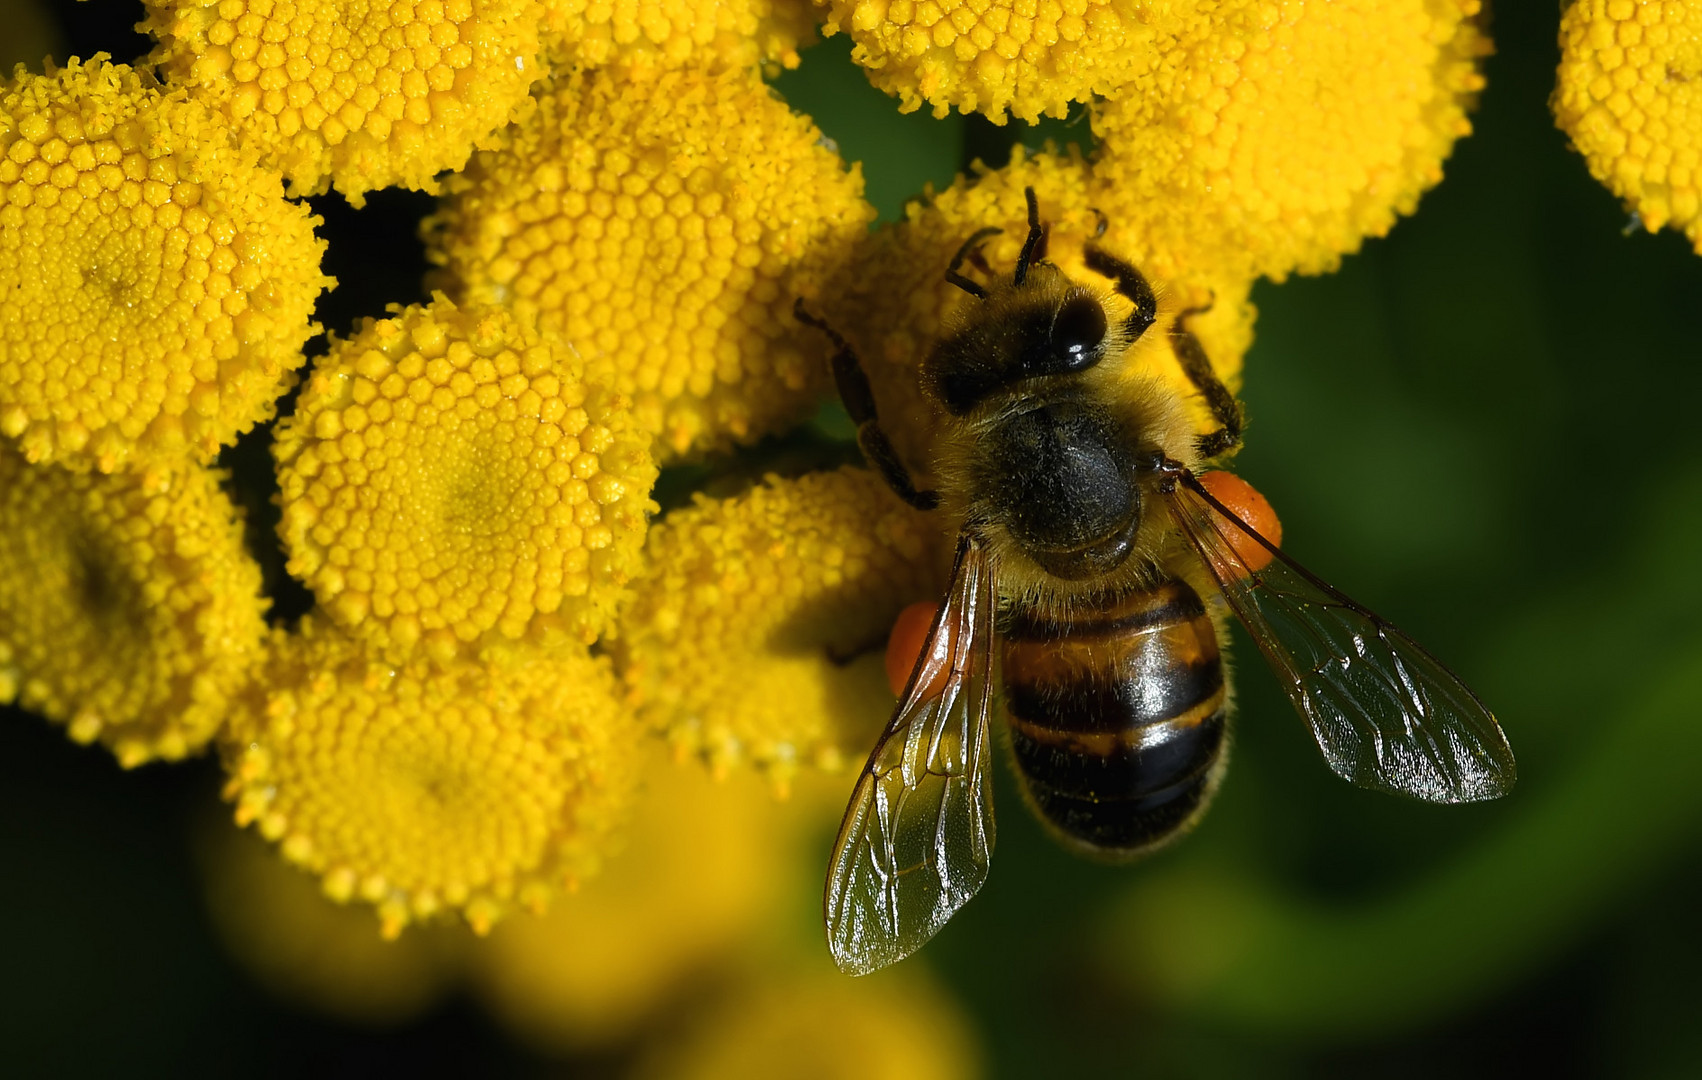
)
(664, 230)
(1031, 58)
(1630, 96)
(892, 300)
(638, 38)
(354, 93)
(129, 609)
(450, 479)
(1274, 137)
(423, 788)
(759, 633)
(155, 286)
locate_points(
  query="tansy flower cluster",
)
(503, 619)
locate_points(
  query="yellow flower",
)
(892, 299)
(705, 870)
(421, 789)
(1630, 97)
(350, 93)
(664, 229)
(450, 479)
(638, 38)
(992, 55)
(758, 634)
(129, 608)
(311, 951)
(155, 286)
(1273, 137)
(814, 1022)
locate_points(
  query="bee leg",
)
(1033, 248)
(971, 250)
(859, 400)
(1131, 283)
(1197, 366)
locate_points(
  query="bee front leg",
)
(1197, 366)
(1131, 283)
(859, 400)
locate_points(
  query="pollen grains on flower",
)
(756, 636)
(427, 788)
(892, 300)
(305, 948)
(1275, 137)
(990, 56)
(664, 229)
(636, 40)
(1629, 94)
(155, 285)
(350, 93)
(130, 610)
(705, 873)
(450, 480)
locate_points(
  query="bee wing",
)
(918, 834)
(1386, 714)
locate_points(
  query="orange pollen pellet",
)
(1240, 498)
(904, 647)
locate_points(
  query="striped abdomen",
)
(1117, 717)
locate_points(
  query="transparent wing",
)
(918, 833)
(1386, 714)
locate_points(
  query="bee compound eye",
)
(1078, 330)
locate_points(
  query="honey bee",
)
(1094, 563)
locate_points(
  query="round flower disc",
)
(427, 787)
(155, 285)
(638, 40)
(665, 229)
(129, 608)
(1630, 96)
(450, 480)
(354, 93)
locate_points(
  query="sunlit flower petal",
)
(664, 229)
(990, 56)
(1630, 96)
(155, 285)
(449, 479)
(351, 93)
(1275, 137)
(638, 38)
(418, 789)
(129, 608)
(757, 636)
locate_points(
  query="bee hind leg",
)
(859, 400)
(1197, 366)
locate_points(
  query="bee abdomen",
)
(1117, 718)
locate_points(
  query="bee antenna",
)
(1036, 237)
(970, 246)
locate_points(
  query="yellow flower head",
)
(423, 788)
(129, 608)
(450, 479)
(892, 300)
(989, 56)
(357, 94)
(758, 634)
(664, 229)
(155, 286)
(1274, 137)
(705, 870)
(638, 38)
(814, 1022)
(279, 926)
(1630, 97)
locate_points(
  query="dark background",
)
(1481, 426)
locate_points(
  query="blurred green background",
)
(1479, 427)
